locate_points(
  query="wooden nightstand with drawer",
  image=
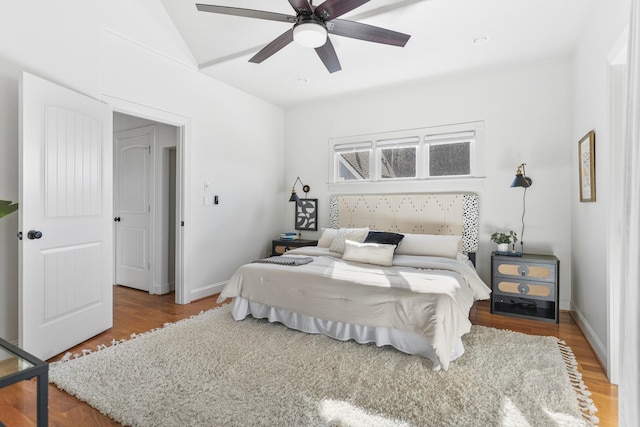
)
(527, 286)
(279, 247)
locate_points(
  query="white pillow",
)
(354, 234)
(328, 235)
(429, 245)
(369, 253)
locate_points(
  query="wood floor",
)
(136, 311)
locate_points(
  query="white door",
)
(132, 208)
(65, 215)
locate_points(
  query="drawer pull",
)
(281, 249)
(530, 289)
(534, 271)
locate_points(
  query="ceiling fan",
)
(311, 26)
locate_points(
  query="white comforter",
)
(430, 296)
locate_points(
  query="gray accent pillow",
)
(353, 234)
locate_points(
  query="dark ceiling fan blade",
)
(329, 57)
(302, 7)
(332, 9)
(247, 13)
(356, 30)
(273, 47)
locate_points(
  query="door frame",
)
(617, 60)
(183, 177)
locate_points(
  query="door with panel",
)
(65, 217)
(132, 206)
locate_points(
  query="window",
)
(449, 154)
(353, 161)
(449, 159)
(441, 152)
(397, 158)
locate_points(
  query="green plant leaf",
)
(7, 207)
(510, 237)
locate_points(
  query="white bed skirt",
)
(405, 341)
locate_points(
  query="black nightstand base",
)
(524, 308)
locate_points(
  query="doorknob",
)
(33, 234)
(116, 219)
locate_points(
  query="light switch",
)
(207, 197)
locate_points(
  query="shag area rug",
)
(210, 370)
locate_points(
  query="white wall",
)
(235, 143)
(527, 117)
(591, 111)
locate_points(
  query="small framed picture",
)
(307, 214)
(587, 167)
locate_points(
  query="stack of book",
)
(289, 236)
(508, 253)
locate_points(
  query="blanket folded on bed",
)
(285, 260)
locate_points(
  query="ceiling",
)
(518, 31)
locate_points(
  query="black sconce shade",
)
(521, 180)
(294, 197)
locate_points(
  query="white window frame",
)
(449, 138)
(423, 138)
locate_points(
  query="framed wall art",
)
(307, 214)
(587, 167)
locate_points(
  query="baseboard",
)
(598, 348)
(206, 291)
(565, 304)
(161, 288)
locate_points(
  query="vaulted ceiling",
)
(517, 32)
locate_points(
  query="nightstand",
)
(278, 247)
(527, 286)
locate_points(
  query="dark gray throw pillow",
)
(384, 237)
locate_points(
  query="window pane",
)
(398, 163)
(353, 166)
(450, 159)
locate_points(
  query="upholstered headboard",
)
(420, 213)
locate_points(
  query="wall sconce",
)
(522, 180)
(294, 197)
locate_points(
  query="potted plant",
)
(504, 239)
(6, 207)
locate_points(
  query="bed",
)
(392, 270)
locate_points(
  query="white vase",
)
(503, 247)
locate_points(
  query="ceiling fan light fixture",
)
(310, 34)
